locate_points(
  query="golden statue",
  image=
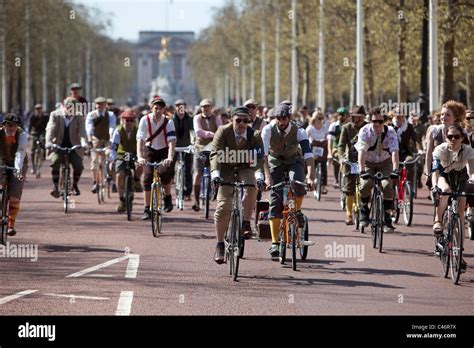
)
(164, 53)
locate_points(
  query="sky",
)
(128, 17)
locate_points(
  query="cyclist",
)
(406, 140)
(13, 140)
(37, 129)
(286, 148)
(239, 138)
(450, 173)
(451, 112)
(183, 123)
(156, 139)
(334, 134)
(317, 133)
(420, 131)
(75, 90)
(377, 148)
(100, 125)
(66, 128)
(347, 151)
(257, 122)
(124, 140)
(205, 125)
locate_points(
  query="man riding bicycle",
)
(124, 140)
(205, 125)
(37, 129)
(378, 152)
(334, 134)
(286, 149)
(246, 144)
(66, 128)
(348, 152)
(156, 140)
(100, 125)
(13, 141)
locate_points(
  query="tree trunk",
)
(369, 68)
(402, 87)
(27, 60)
(470, 88)
(448, 54)
(3, 59)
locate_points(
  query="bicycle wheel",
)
(396, 203)
(445, 241)
(356, 210)
(455, 249)
(373, 221)
(470, 230)
(380, 222)
(179, 188)
(155, 208)
(235, 238)
(207, 194)
(282, 248)
(37, 159)
(65, 192)
(407, 204)
(304, 237)
(4, 221)
(128, 192)
(317, 183)
(293, 229)
(342, 196)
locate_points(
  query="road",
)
(94, 262)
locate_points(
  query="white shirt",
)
(267, 133)
(453, 160)
(332, 129)
(368, 138)
(315, 134)
(161, 140)
(21, 151)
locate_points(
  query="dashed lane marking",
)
(124, 306)
(17, 295)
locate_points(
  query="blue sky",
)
(129, 17)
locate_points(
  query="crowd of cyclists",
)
(285, 141)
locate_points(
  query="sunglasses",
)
(245, 120)
(378, 121)
(252, 106)
(454, 136)
(10, 124)
(129, 120)
(279, 118)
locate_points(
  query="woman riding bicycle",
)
(317, 132)
(450, 173)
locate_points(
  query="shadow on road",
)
(77, 248)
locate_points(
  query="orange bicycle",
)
(291, 235)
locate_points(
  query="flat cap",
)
(100, 100)
(180, 102)
(240, 111)
(158, 100)
(75, 85)
(358, 110)
(205, 102)
(282, 110)
(250, 102)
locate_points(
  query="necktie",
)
(378, 148)
(10, 139)
(240, 141)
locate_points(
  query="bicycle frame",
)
(101, 178)
(180, 175)
(156, 196)
(5, 202)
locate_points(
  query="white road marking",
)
(78, 297)
(95, 268)
(15, 296)
(124, 306)
(132, 267)
(99, 275)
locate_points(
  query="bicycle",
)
(357, 201)
(180, 174)
(65, 180)
(233, 240)
(156, 198)
(291, 236)
(377, 212)
(129, 159)
(449, 246)
(403, 200)
(103, 179)
(38, 155)
(342, 195)
(4, 191)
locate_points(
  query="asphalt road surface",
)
(92, 261)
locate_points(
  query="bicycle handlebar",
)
(70, 149)
(154, 164)
(99, 149)
(404, 163)
(291, 182)
(4, 166)
(186, 149)
(455, 194)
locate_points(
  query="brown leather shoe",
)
(246, 230)
(219, 254)
(349, 221)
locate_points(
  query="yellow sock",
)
(349, 204)
(275, 229)
(299, 202)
